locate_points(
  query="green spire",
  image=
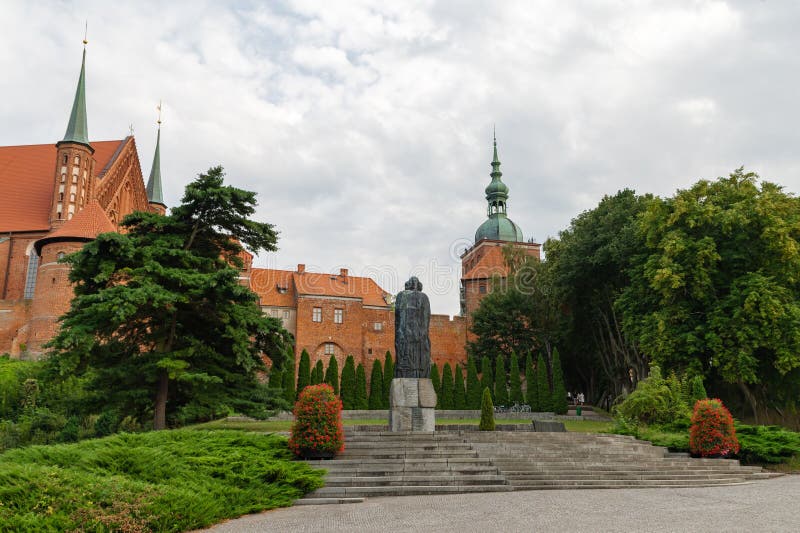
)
(495, 161)
(497, 226)
(77, 130)
(154, 182)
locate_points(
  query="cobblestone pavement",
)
(763, 506)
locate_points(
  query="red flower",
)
(712, 432)
(318, 421)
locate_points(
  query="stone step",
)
(408, 490)
(643, 485)
(427, 463)
(327, 501)
(625, 483)
(392, 481)
(393, 470)
(512, 478)
(421, 456)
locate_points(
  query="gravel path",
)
(763, 506)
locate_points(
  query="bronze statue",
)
(412, 317)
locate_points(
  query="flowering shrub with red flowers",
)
(317, 423)
(712, 432)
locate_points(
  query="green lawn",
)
(159, 481)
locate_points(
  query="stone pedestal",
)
(412, 405)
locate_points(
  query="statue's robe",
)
(412, 315)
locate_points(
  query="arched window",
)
(30, 279)
(60, 255)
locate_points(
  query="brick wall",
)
(448, 339)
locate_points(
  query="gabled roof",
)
(27, 178)
(266, 282)
(87, 224)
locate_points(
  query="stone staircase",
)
(381, 463)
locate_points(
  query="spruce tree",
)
(487, 381)
(437, 384)
(289, 391)
(347, 388)
(559, 398)
(332, 375)
(447, 387)
(459, 394)
(303, 372)
(487, 411)
(376, 386)
(275, 378)
(542, 386)
(474, 390)
(318, 375)
(515, 396)
(698, 391)
(388, 376)
(531, 398)
(500, 387)
(361, 388)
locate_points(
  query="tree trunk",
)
(751, 399)
(160, 419)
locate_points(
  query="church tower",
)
(74, 162)
(155, 197)
(485, 260)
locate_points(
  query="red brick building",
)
(56, 198)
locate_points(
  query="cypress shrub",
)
(473, 386)
(447, 387)
(500, 388)
(303, 372)
(712, 432)
(376, 386)
(459, 395)
(559, 398)
(542, 386)
(487, 381)
(361, 388)
(289, 391)
(275, 378)
(698, 390)
(332, 375)
(531, 396)
(318, 374)
(487, 411)
(347, 388)
(515, 396)
(437, 384)
(388, 376)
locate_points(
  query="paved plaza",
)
(763, 506)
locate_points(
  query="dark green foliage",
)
(136, 482)
(459, 394)
(332, 375)
(303, 372)
(318, 374)
(474, 390)
(388, 376)
(698, 391)
(500, 387)
(487, 380)
(767, 444)
(361, 388)
(559, 398)
(276, 378)
(289, 390)
(542, 387)
(106, 423)
(376, 386)
(347, 389)
(531, 392)
(446, 400)
(655, 401)
(437, 384)
(487, 411)
(13, 374)
(515, 395)
(160, 321)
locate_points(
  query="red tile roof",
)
(27, 180)
(265, 282)
(87, 224)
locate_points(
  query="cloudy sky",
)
(366, 126)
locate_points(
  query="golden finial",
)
(159, 113)
(86, 33)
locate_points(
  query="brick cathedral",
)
(58, 197)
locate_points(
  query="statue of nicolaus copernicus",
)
(412, 345)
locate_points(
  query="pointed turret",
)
(154, 195)
(498, 227)
(77, 128)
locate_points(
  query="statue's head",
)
(413, 284)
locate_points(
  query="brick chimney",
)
(301, 268)
(343, 272)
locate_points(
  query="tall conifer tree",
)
(347, 388)
(361, 388)
(332, 375)
(318, 374)
(543, 386)
(437, 384)
(459, 394)
(515, 395)
(388, 376)
(531, 396)
(474, 390)
(376, 386)
(275, 378)
(303, 372)
(487, 380)
(447, 387)
(500, 387)
(559, 399)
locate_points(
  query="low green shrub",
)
(767, 444)
(712, 433)
(160, 481)
(655, 401)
